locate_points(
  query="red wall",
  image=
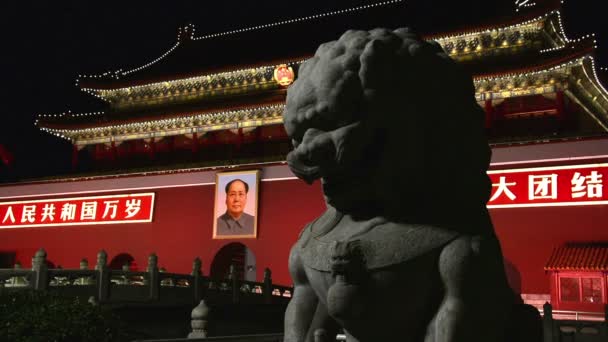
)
(528, 236)
(181, 230)
(183, 223)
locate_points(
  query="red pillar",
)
(98, 152)
(213, 140)
(259, 141)
(152, 149)
(489, 109)
(74, 156)
(194, 142)
(132, 148)
(239, 139)
(204, 140)
(6, 157)
(559, 104)
(113, 150)
(171, 144)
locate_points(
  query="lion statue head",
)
(390, 125)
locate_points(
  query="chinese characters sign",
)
(78, 211)
(549, 186)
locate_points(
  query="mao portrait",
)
(236, 204)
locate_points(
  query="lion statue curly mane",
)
(406, 250)
(390, 124)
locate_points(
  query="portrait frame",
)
(222, 229)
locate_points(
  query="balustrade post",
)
(124, 278)
(41, 274)
(234, 283)
(267, 292)
(103, 276)
(18, 280)
(200, 318)
(153, 278)
(548, 330)
(84, 280)
(197, 280)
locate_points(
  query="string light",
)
(180, 33)
(118, 73)
(572, 43)
(505, 76)
(264, 73)
(165, 172)
(113, 95)
(193, 123)
(200, 120)
(561, 26)
(597, 82)
(189, 30)
(68, 113)
(301, 19)
(523, 4)
(527, 24)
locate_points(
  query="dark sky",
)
(47, 44)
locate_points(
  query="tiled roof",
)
(579, 257)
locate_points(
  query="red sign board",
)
(113, 209)
(549, 186)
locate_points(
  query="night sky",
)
(47, 44)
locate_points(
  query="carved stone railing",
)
(555, 330)
(150, 286)
(240, 338)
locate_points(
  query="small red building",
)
(579, 277)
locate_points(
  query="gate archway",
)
(236, 254)
(122, 259)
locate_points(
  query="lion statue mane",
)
(390, 124)
(406, 250)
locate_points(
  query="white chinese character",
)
(590, 186)
(88, 210)
(503, 187)
(48, 212)
(9, 215)
(542, 186)
(133, 207)
(28, 214)
(110, 205)
(68, 212)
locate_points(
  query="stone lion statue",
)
(406, 250)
